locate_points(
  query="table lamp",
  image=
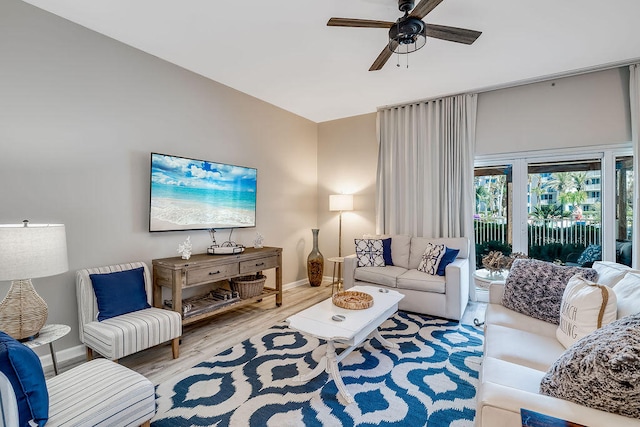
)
(340, 202)
(28, 251)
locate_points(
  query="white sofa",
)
(518, 351)
(441, 296)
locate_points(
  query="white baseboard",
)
(64, 357)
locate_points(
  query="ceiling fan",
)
(409, 31)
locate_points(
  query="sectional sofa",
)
(520, 350)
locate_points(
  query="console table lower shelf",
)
(178, 274)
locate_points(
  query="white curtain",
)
(425, 170)
(634, 98)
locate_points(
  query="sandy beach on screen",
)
(169, 214)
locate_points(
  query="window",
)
(553, 205)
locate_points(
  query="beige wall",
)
(589, 109)
(347, 162)
(79, 116)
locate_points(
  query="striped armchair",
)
(128, 333)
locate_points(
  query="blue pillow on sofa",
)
(386, 251)
(119, 292)
(448, 257)
(23, 369)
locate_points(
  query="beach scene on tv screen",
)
(194, 194)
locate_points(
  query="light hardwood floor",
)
(203, 340)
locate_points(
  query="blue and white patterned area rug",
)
(430, 380)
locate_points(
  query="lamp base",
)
(22, 312)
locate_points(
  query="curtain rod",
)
(524, 82)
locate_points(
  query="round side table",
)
(48, 334)
(484, 277)
(337, 262)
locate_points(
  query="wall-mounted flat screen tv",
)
(190, 194)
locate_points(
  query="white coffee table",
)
(356, 327)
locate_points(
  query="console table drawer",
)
(247, 267)
(211, 274)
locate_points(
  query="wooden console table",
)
(202, 269)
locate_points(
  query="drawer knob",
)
(213, 273)
(259, 264)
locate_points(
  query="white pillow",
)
(431, 258)
(610, 273)
(627, 293)
(586, 306)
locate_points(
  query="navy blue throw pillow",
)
(386, 251)
(448, 257)
(119, 292)
(23, 369)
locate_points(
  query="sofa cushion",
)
(419, 281)
(448, 257)
(602, 370)
(120, 292)
(523, 348)
(23, 369)
(627, 293)
(610, 273)
(400, 249)
(497, 314)
(431, 258)
(100, 393)
(369, 252)
(586, 306)
(385, 276)
(535, 288)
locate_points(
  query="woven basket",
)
(353, 300)
(248, 286)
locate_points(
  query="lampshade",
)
(341, 202)
(28, 251)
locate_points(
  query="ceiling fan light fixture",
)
(407, 35)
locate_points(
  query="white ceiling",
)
(282, 52)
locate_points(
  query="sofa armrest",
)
(349, 270)
(496, 291)
(457, 288)
(501, 404)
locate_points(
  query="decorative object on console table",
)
(258, 241)
(28, 251)
(341, 203)
(315, 262)
(184, 248)
(248, 286)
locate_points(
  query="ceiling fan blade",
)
(361, 23)
(383, 57)
(424, 7)
(452, 34)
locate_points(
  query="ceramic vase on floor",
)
(315, 262)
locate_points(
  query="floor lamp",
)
(341, 203)
(28, 251)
